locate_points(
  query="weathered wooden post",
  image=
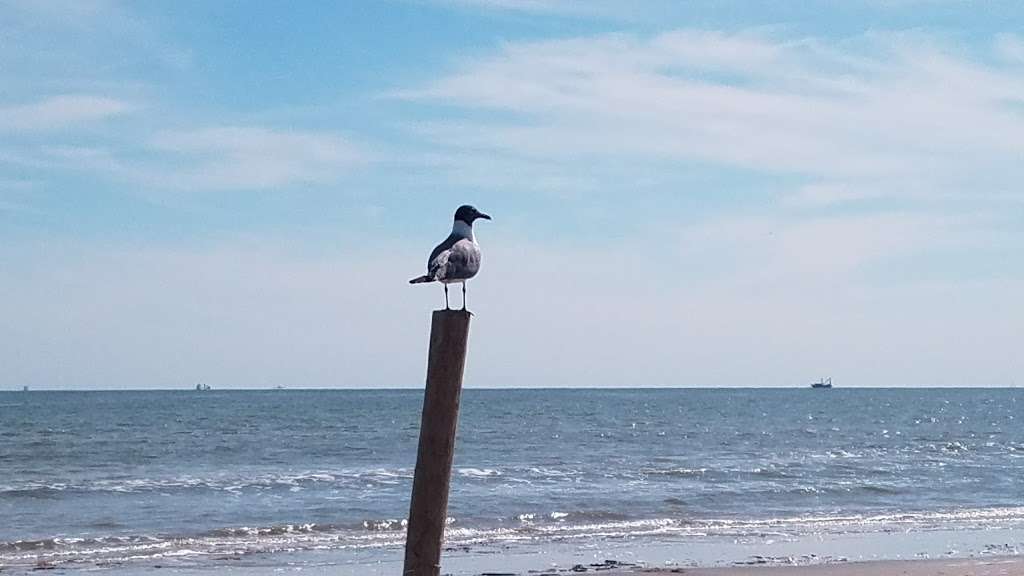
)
(428, 510)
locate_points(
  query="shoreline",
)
(970, 566)
(947, 551)
(995, 565)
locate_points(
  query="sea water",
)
(185, 478)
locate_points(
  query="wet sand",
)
(992, 566)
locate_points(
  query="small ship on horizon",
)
(823, 383)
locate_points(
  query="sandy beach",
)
(994, 566)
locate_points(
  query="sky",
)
(706, 193)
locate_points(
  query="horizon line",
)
(399, 389)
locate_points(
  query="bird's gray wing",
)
(463, 261)
(438, 260)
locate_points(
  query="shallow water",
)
(111, 477)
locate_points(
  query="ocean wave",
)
(225, 483)
(385, 524)
(674, 472)
(549, 472)
(237, 483)
(477, 472)
(273, 530)
(551, 526)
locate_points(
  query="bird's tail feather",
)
(421, 280)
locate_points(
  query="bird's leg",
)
(446, 297)
(463, 295)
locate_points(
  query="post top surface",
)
(451, 313)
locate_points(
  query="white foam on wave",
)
(673, 471)
(548, 472)
(553, 526)
(477, 472)
(227, 483)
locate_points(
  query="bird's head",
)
(468, 214)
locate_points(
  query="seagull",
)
(457, 259)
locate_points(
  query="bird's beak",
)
(482, 215)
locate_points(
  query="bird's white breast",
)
(463, 230)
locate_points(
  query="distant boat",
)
(24, 388)
(823, 383)
(202, 387)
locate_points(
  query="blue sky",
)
(691, 194)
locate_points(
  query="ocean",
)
(131, 481)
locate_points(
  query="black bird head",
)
(468, 214)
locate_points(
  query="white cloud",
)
(70, 12)
(523, 5)
(562, 8)
(59, 112)
(821, 252)
(75, 42)
(242, 157)
(827, 194)
(897, 109)
(1010, 47)
(17, 196)
(16, 185)
(216, 158)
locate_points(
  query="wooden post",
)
(428, 510)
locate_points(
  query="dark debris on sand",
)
(598, 567)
